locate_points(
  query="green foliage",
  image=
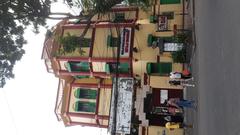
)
(15, 16)
(179, 56)
(144, 4)
(183, 37)
(104, 6)
(70, 43)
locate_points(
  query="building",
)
(98, 79)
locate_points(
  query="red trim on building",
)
(91, 67)
(65, 72)
(58, 64)
(56, 103)
(69, 58)
(96, 74)
(131, 67)
(85, 115)
(92, 85)
(92, 42)
(97, 102)
(174, 29)
(110, 60)
(158, 59)
(100, 25)
(87, 59)
(69, 98)
(131, 50)
(143, 130)
(132, 41)
(137, 14)
(91, 48)
(88, 124)
(145, 79)
(122, 75)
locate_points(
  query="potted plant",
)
(70, 43)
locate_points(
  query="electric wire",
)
(10, 112)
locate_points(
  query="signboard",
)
(171, 47)
(162, 23)
(125, 42)
(123, 108)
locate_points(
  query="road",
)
(216, 67)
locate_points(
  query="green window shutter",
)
(77, 66)
(107, 68)
(161, 68)
(122, 67)
(165, 68)
(85, 66)
(85, 106)
(151, 38)
(85, 93)
(170, 1)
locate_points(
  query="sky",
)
(27, 102)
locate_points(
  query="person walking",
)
(181, 103)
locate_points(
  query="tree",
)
(15, 16)
(94, 7)
(104, 6)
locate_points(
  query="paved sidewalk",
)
(191, 115)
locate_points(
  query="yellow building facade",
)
(126, 42)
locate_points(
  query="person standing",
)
(181, 103)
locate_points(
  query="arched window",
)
(83, 106)
(85, 93)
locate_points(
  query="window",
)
(85, 93)
(112, 66)
(170, 47)
(76, 66)
(83, 106)
(170, 15)
(112, 41)
(170, 1)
